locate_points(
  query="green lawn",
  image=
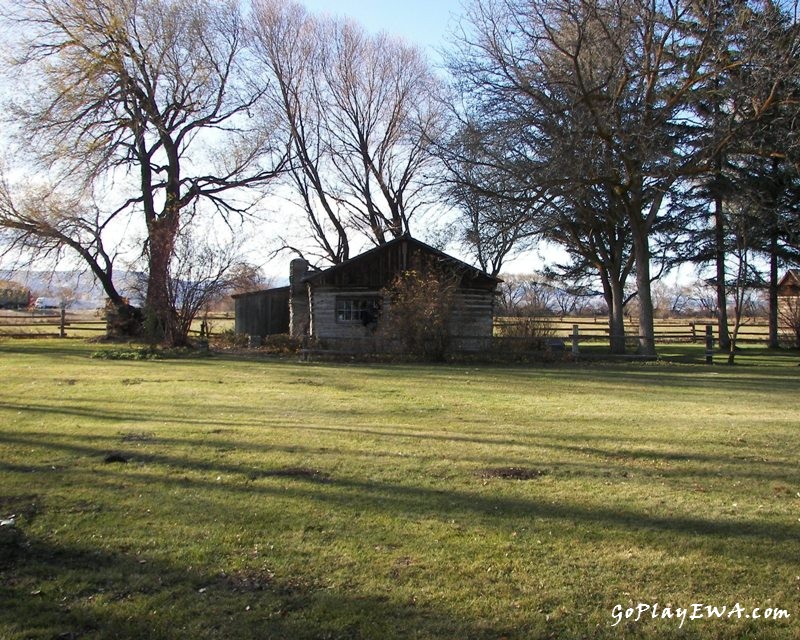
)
(277, 499)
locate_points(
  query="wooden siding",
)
(788, 308)
(473, 311)
(789, 297)
(789, 286)
(262, 313)
(324, 324)
(471, 323)
(375, 269)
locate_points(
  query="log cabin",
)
(342, 307)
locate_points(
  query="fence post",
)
(693, 325)
(575, 347)
(63, 323)
(709, 344)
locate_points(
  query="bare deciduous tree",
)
(202, 270)
(287, 43)
(361, 111)
(494, 223)
(151, 97)
(742, 276)
(525, 295)
(42, 222)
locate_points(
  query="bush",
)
(281, 343)
(416, 320)
(526, 334)
(140, 353)
(230, 339)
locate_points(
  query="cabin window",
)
(357, 310)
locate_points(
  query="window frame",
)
(354, 307)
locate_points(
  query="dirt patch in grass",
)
(511, 473)
(137, 436)
(116, 457)
(24, 506)
(247, 580)
(14, 510)
(308, 381)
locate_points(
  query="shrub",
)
(526, 334)
(230, 339)
(281, 343)
(416, 319)
(140, 353)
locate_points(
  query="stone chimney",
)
(299, 315)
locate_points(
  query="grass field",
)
(247, 498)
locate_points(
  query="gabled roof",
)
(261, 292)
(403, 247)
(791, 277)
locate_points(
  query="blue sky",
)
(422, 22)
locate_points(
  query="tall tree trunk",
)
(773, 289)
(616, 314)
(739, 292)
(614, 294)
(641, 251)
(775, 188)
(160, 317)
(719, 260)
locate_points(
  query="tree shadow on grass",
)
(763, 538)
(44, 347)
(57, 590)
(622, 378)
(618, 448)
(616, 458)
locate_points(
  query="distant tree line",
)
(636, 135)
(546, 294)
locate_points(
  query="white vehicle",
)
(47, 303)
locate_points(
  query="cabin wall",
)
(262, 313)
(324, 324)
(788, 307)
(339, 308)
(471, 323)
(299, 318)
(788, 299)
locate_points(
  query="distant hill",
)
(77, 286)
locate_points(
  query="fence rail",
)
(596, 328)
(49, 324)
(58, 324)
(54, 323)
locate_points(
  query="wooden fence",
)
(57, 323)
(50, 323)
(595, 329)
